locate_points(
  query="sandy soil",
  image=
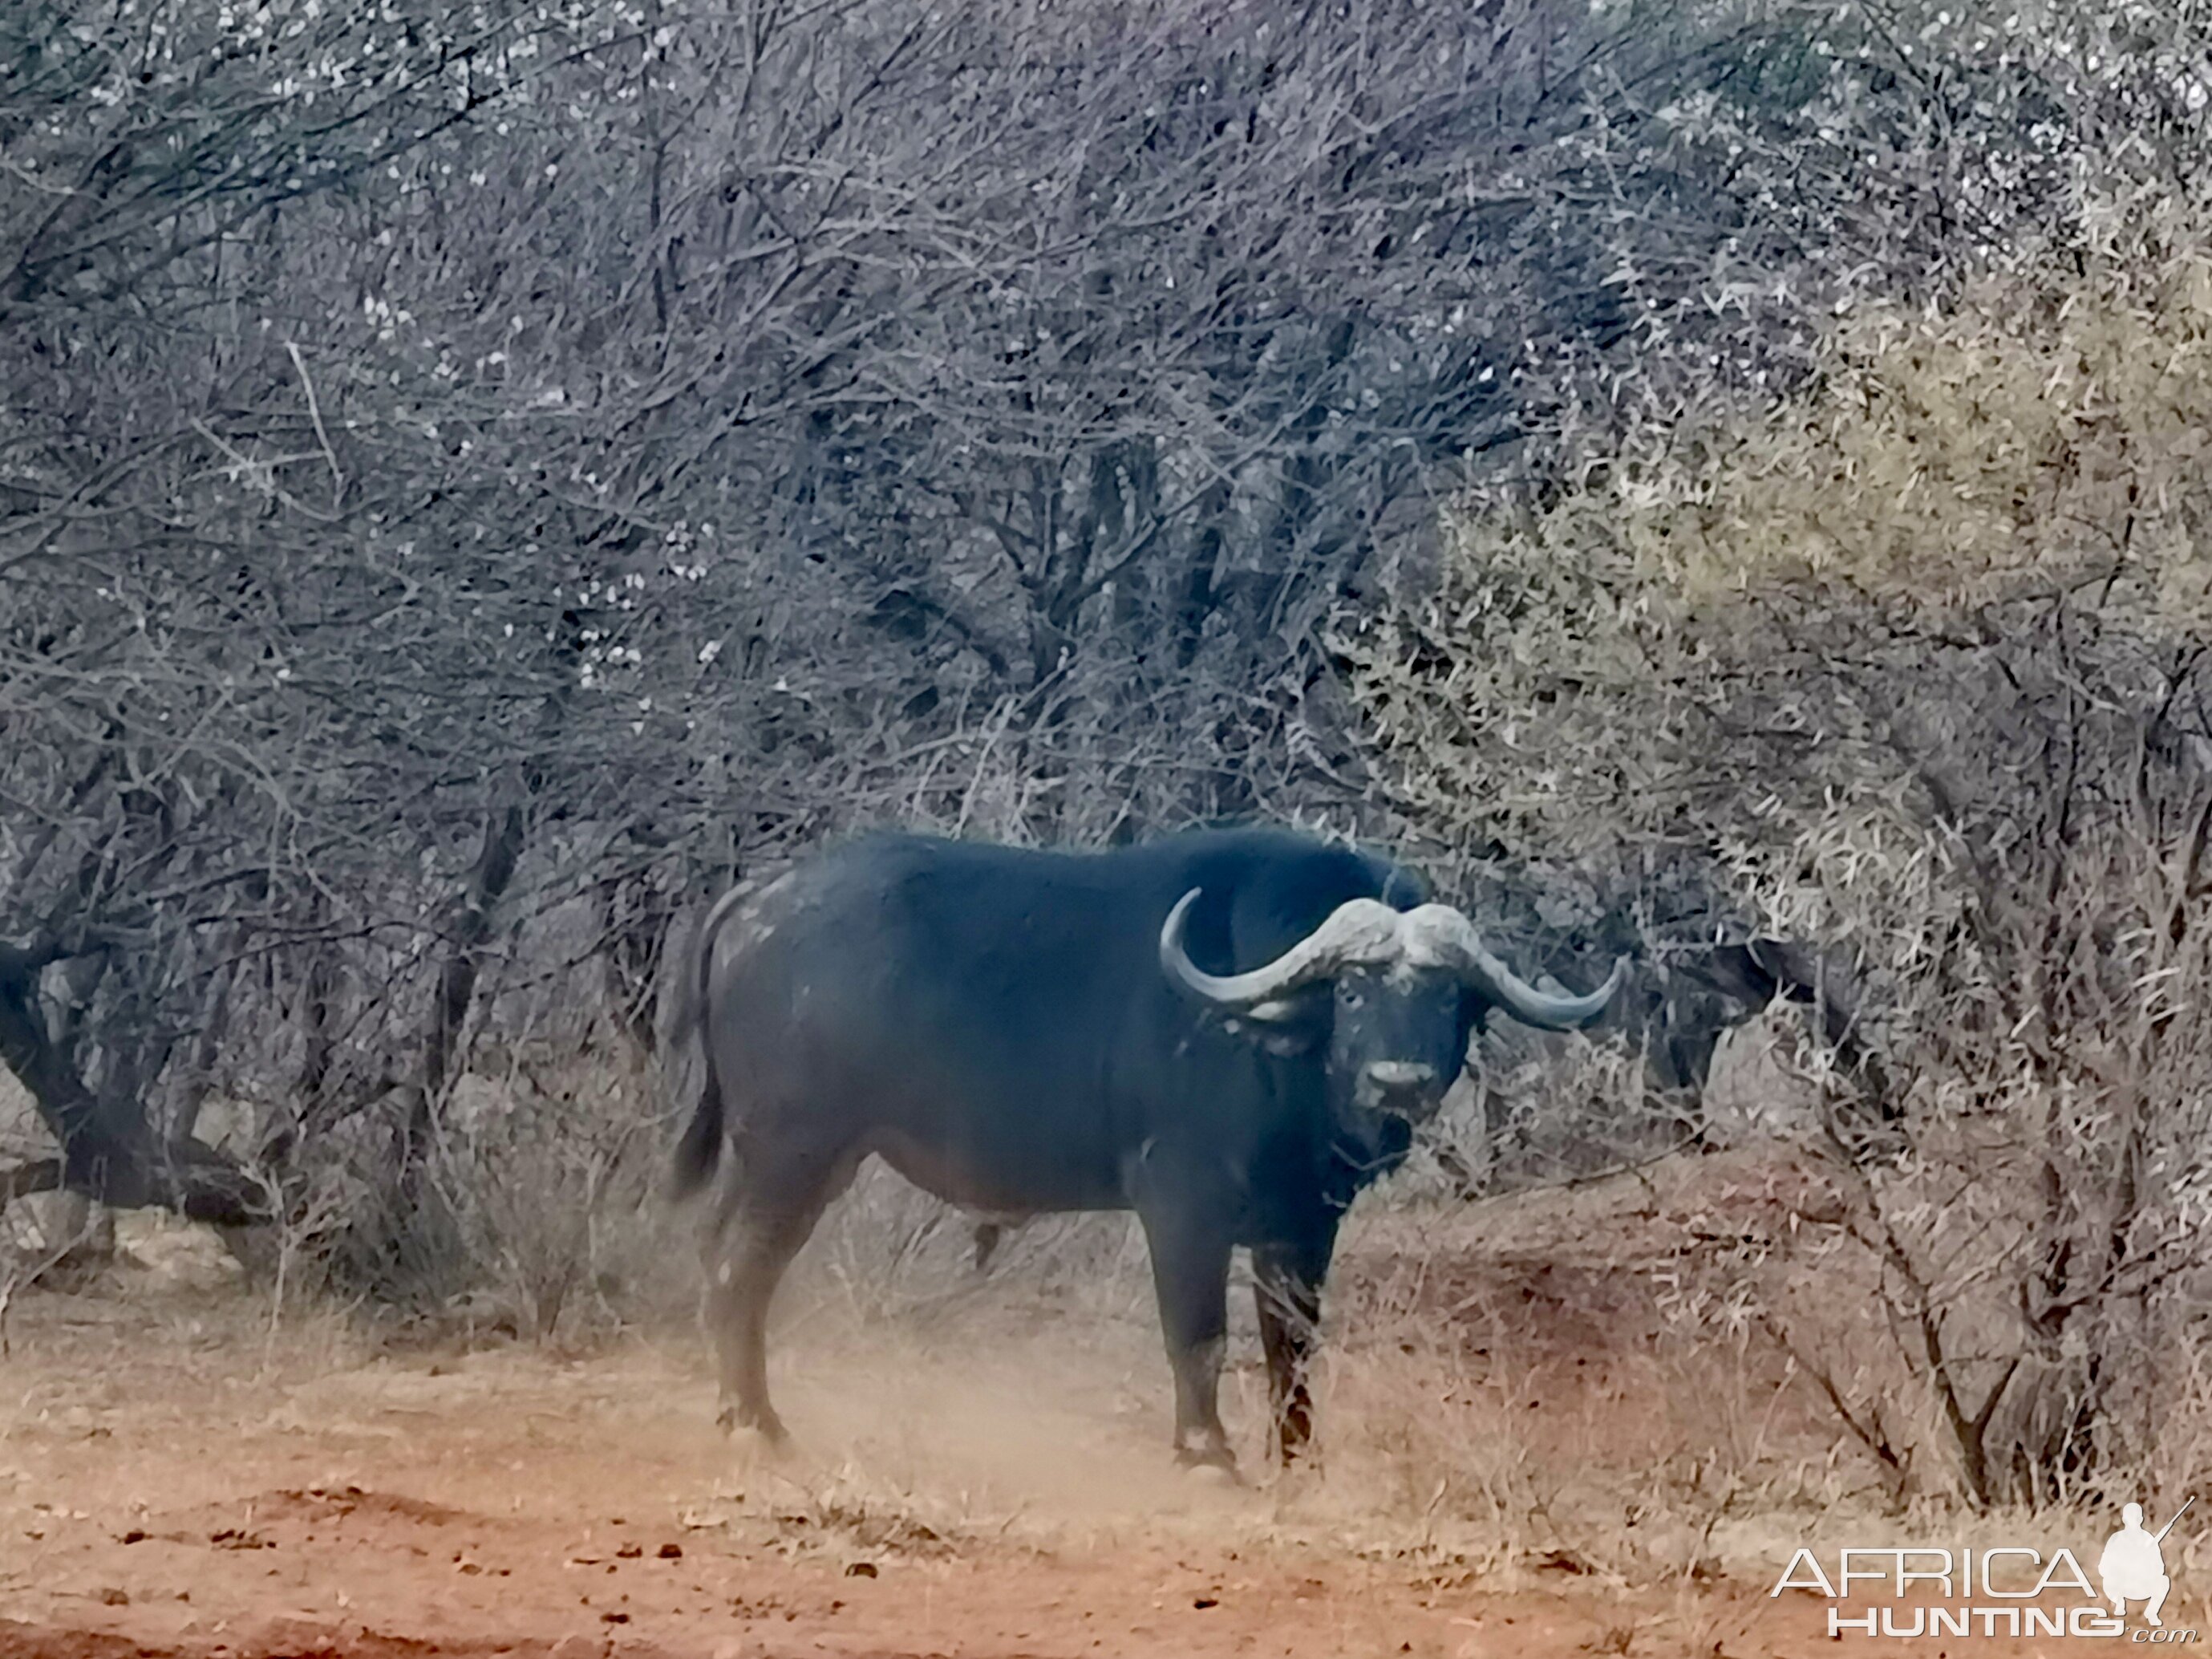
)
(174, 1483)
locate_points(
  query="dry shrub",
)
(555, 1196)
(1611, 664)
(2029, 436)
(541, 1214)
(2027, 1246)
(1913, 656)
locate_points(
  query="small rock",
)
(43, 1226)
(174, 1252)
(671, 1552)
(115, 1598)
(862, 1570)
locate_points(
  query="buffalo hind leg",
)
(1190, 1277)
(765, 1219)
(1286, 1280)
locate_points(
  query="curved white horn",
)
(1359, 930)
(1439, 936)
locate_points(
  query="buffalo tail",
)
(700, 1150)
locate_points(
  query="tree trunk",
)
(108, 1152)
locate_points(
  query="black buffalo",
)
(1230, 1032)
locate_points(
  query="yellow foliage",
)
(2018, 441)
(1630, 659)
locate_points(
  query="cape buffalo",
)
(1230, 1032)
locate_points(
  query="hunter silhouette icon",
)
(2133, 1567)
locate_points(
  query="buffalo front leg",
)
(987, 1235)
(763, 1223)
(1286, 1280)
(1190, 1277)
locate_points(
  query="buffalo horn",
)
(1439, 936)
(1358, 931)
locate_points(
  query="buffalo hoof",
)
(1299, 1475)
(755, 1449)
(769, 1438)
(1209, 1468)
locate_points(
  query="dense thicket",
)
(472, 477)
(1917, 656)
(466, 464)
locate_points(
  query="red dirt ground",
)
(173, 1485)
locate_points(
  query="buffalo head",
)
(1405, 987)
